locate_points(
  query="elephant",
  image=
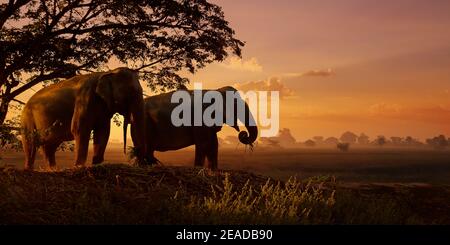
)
(73, 108)
(165, 136)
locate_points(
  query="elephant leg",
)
(212, 152)
(81, 145)
(49, 154)
(101, 137)
(199, 156)
(150, 158)
(201, 141)
(30, 153)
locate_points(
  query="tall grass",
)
(272, 203)
(121, 194)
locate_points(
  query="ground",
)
(364, 186)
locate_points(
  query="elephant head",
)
(246, 138)
(122, 92)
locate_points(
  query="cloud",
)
(251, 64)
(312, 73)
(271, 84)
(384, 109)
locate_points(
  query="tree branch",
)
(10, 9)
(154, 63)
(18, 101)
(117, 26)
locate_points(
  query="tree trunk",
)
(4, 105)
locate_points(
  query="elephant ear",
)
(105, 89)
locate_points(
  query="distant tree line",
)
(284, 139)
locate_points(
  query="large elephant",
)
(73, 108)
(162, 135)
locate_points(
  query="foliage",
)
(116, 120)
(47, 40)
(310, 143)
(10, 131)
(349, 137)
(9, 135)
(381, 140)
(66, 146)
(438, 142)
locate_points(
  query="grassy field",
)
(363, 186)
(358, 165)
(123, 194)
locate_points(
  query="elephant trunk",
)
(250, 137)
(249, 122)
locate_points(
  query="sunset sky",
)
(378, 67)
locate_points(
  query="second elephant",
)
(162, 135)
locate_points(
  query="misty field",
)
(358, 165)
(363, 186)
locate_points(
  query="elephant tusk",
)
(126, 121)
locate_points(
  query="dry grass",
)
(122, 194)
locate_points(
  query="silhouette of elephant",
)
(162, 135)
(72, 108)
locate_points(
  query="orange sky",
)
(385, 65)
(379, 67)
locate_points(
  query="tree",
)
(439, 142)
(318, 140)
(381, 140)
(49, 40)
(363, 139)
(410, 141)
(331, 141)
(349, 137)
(310, 143)
(397, 140)
(285, 138)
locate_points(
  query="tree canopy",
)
(48, 40)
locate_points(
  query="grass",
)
(292, 202)
(122, 194)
